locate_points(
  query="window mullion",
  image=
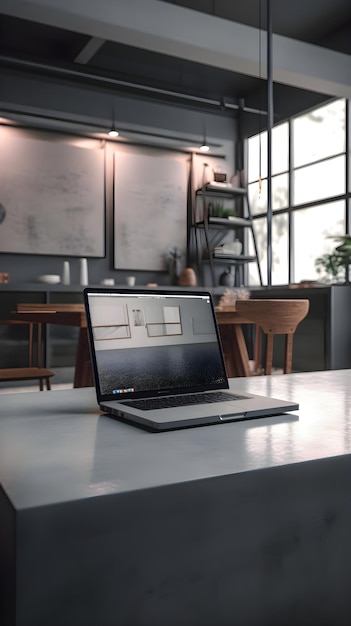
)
(291, 255)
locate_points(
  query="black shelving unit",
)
(210, 230)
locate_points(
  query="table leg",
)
(83, 375)
(235, 351)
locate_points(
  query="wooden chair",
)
(274, 317)
(32, 371)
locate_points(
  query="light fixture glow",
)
(113, 132)
(204, 147)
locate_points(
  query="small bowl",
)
(52, 279)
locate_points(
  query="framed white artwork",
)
(150, 207)
(52, 195)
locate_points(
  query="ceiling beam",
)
(187, 34)
(87, 52)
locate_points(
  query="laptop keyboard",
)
(166, 402)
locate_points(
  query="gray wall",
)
(75, 108)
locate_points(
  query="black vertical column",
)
(347, 179)
(270, 116)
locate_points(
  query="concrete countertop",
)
(56, 446)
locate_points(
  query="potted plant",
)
(335, 264)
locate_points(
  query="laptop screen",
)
(147, 343)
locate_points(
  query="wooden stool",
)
(274, 317)
(31, 372)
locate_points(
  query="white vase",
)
(66, 274)
(237, 247)
(84, 272)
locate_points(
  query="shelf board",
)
(235, 259)
(225, 222)
(221, 189)
(231, 259)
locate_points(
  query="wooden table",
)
(65, 315)
(233, 341)
(229, 322)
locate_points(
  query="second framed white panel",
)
(150, 207)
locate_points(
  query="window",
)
(280, 194)
(320, 180)
(280, 260)
(314, 228)
(317, 175)
(319, 134)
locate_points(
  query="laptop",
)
(158, 362)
